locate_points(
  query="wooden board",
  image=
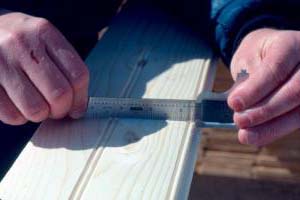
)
(143, 54)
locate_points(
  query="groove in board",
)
(143, 54)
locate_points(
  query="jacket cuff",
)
(263, 21)
(229, 40)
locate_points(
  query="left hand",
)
(41, 74)
(267, 104)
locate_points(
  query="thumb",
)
(269, 64)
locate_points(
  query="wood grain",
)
(143, 54)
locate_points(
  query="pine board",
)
(143, 54)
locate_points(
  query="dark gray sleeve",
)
(233, 19)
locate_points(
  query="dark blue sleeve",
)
(233, 19)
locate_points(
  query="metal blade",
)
(207, 113)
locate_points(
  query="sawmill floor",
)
(227, 170)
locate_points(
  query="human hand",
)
(267, 104)
(41, 75)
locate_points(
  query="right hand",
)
(267, 105)
(41, 75)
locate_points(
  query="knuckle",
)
(42, 23)
(12, 38)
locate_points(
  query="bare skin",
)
(41, 76)
(267, 104)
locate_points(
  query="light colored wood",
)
(225, 140)
(143, 54)
(278, 162)
(276, 174)
(233, 164)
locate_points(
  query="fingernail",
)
(252, 138)
(243, 119)
(79, 110)
(77, 114)
(238, 104)
(247, 137)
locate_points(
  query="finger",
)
(50, 82)
(271, 72)
(80, 103)
(72, 66)
(23, 94)
(281, 101)
(274, 129)
(77, 75)
(9, 114)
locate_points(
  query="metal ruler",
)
(211, 111)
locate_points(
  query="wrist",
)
(259, 25)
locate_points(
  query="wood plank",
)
(276, 161)
(143, 54)
(230, 155)
(276, 174)
(219, 171)
(224, 140)
(220, 163)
